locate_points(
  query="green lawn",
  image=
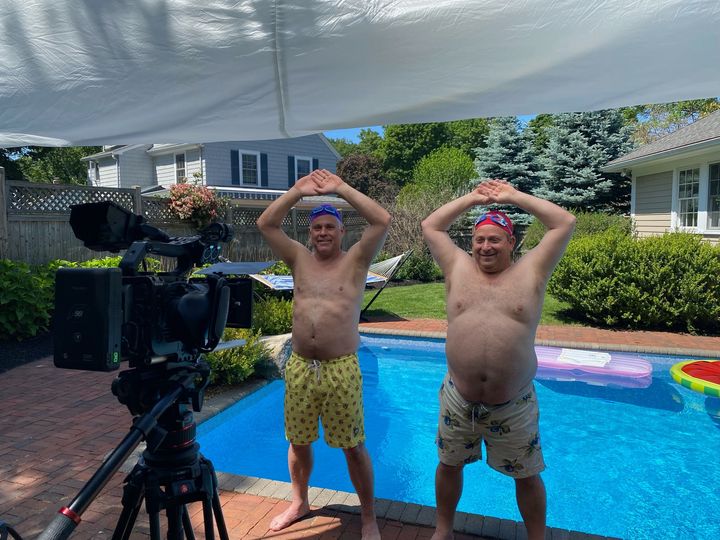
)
(427, 301)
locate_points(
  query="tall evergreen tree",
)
(509, 156)
(579, 144)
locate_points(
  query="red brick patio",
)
(57, 426)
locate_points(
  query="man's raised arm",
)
(559, 222)
(435, 228)
(377, 217)
(270, 221)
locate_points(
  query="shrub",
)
(26, 299)
(27, 294)
(587, 223)
(232, 366)
(669, 282)
(279, 269)
(419, 267)
(272, 316)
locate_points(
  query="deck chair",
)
(385, 270)
(379, 273)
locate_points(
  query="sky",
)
(353, 134)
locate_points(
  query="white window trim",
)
(703, 191)
(714, 230)
(175, 168)
(242, 153)
(309, 159)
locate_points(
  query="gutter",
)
(665, 154)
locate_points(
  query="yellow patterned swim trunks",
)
(329, 390)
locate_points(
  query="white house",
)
(246, 169)
(676, 181)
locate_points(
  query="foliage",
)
(419, 266)
(234, 365)
(27, 294)
(272, 316)
(587, 223)
(371, 143)
(343, 146)
(280, 268)
(669, 282)
(25, 300)
(364, 173)
(446, 170)
(537, 131)
(8, 161)
(650, 122)
(406, 144)
(55, 165)
(579, 145)
(197, 204)
(509, 155)
(468, 135)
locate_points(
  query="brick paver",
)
(58, 425)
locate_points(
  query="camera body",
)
(106, 315)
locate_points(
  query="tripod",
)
(171, 472)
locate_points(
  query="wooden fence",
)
(35, 228)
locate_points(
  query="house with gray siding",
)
(239, 169)
(676, 181)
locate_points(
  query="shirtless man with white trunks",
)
(493, 309)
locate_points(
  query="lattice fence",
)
(38, 228)
(26, 198)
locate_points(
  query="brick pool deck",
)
(58, 425)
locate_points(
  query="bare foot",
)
(370, 530)
(289, 516)
(442, 536)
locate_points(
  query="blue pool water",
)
(626, 462)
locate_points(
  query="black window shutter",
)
(235, 166)
(263, 170)
(291, 171)
(316, 164)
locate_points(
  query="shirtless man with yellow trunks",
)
(493, 309)
(322, 377)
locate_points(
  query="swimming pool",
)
(638, 463)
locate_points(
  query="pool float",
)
(700, 375)
(593, 367)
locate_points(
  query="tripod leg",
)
(219, 518)
(217, 507)
(133, 494)
(187, 524)
(174, 515)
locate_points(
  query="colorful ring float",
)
(700, 375)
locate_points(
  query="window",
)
(180, 175)
(303, 166)
(688, 187)
(714, 197)
(249, 168)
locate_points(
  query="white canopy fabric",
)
(76, 72)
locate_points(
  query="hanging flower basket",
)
(196, 204)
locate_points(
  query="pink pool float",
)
(593, 367)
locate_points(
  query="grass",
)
(427, 301)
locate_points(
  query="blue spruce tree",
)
(509, 156)
(579, 144)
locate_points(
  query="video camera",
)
(106, 315)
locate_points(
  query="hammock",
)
(379, 273)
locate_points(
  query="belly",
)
(492, 359)
(325, 329)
